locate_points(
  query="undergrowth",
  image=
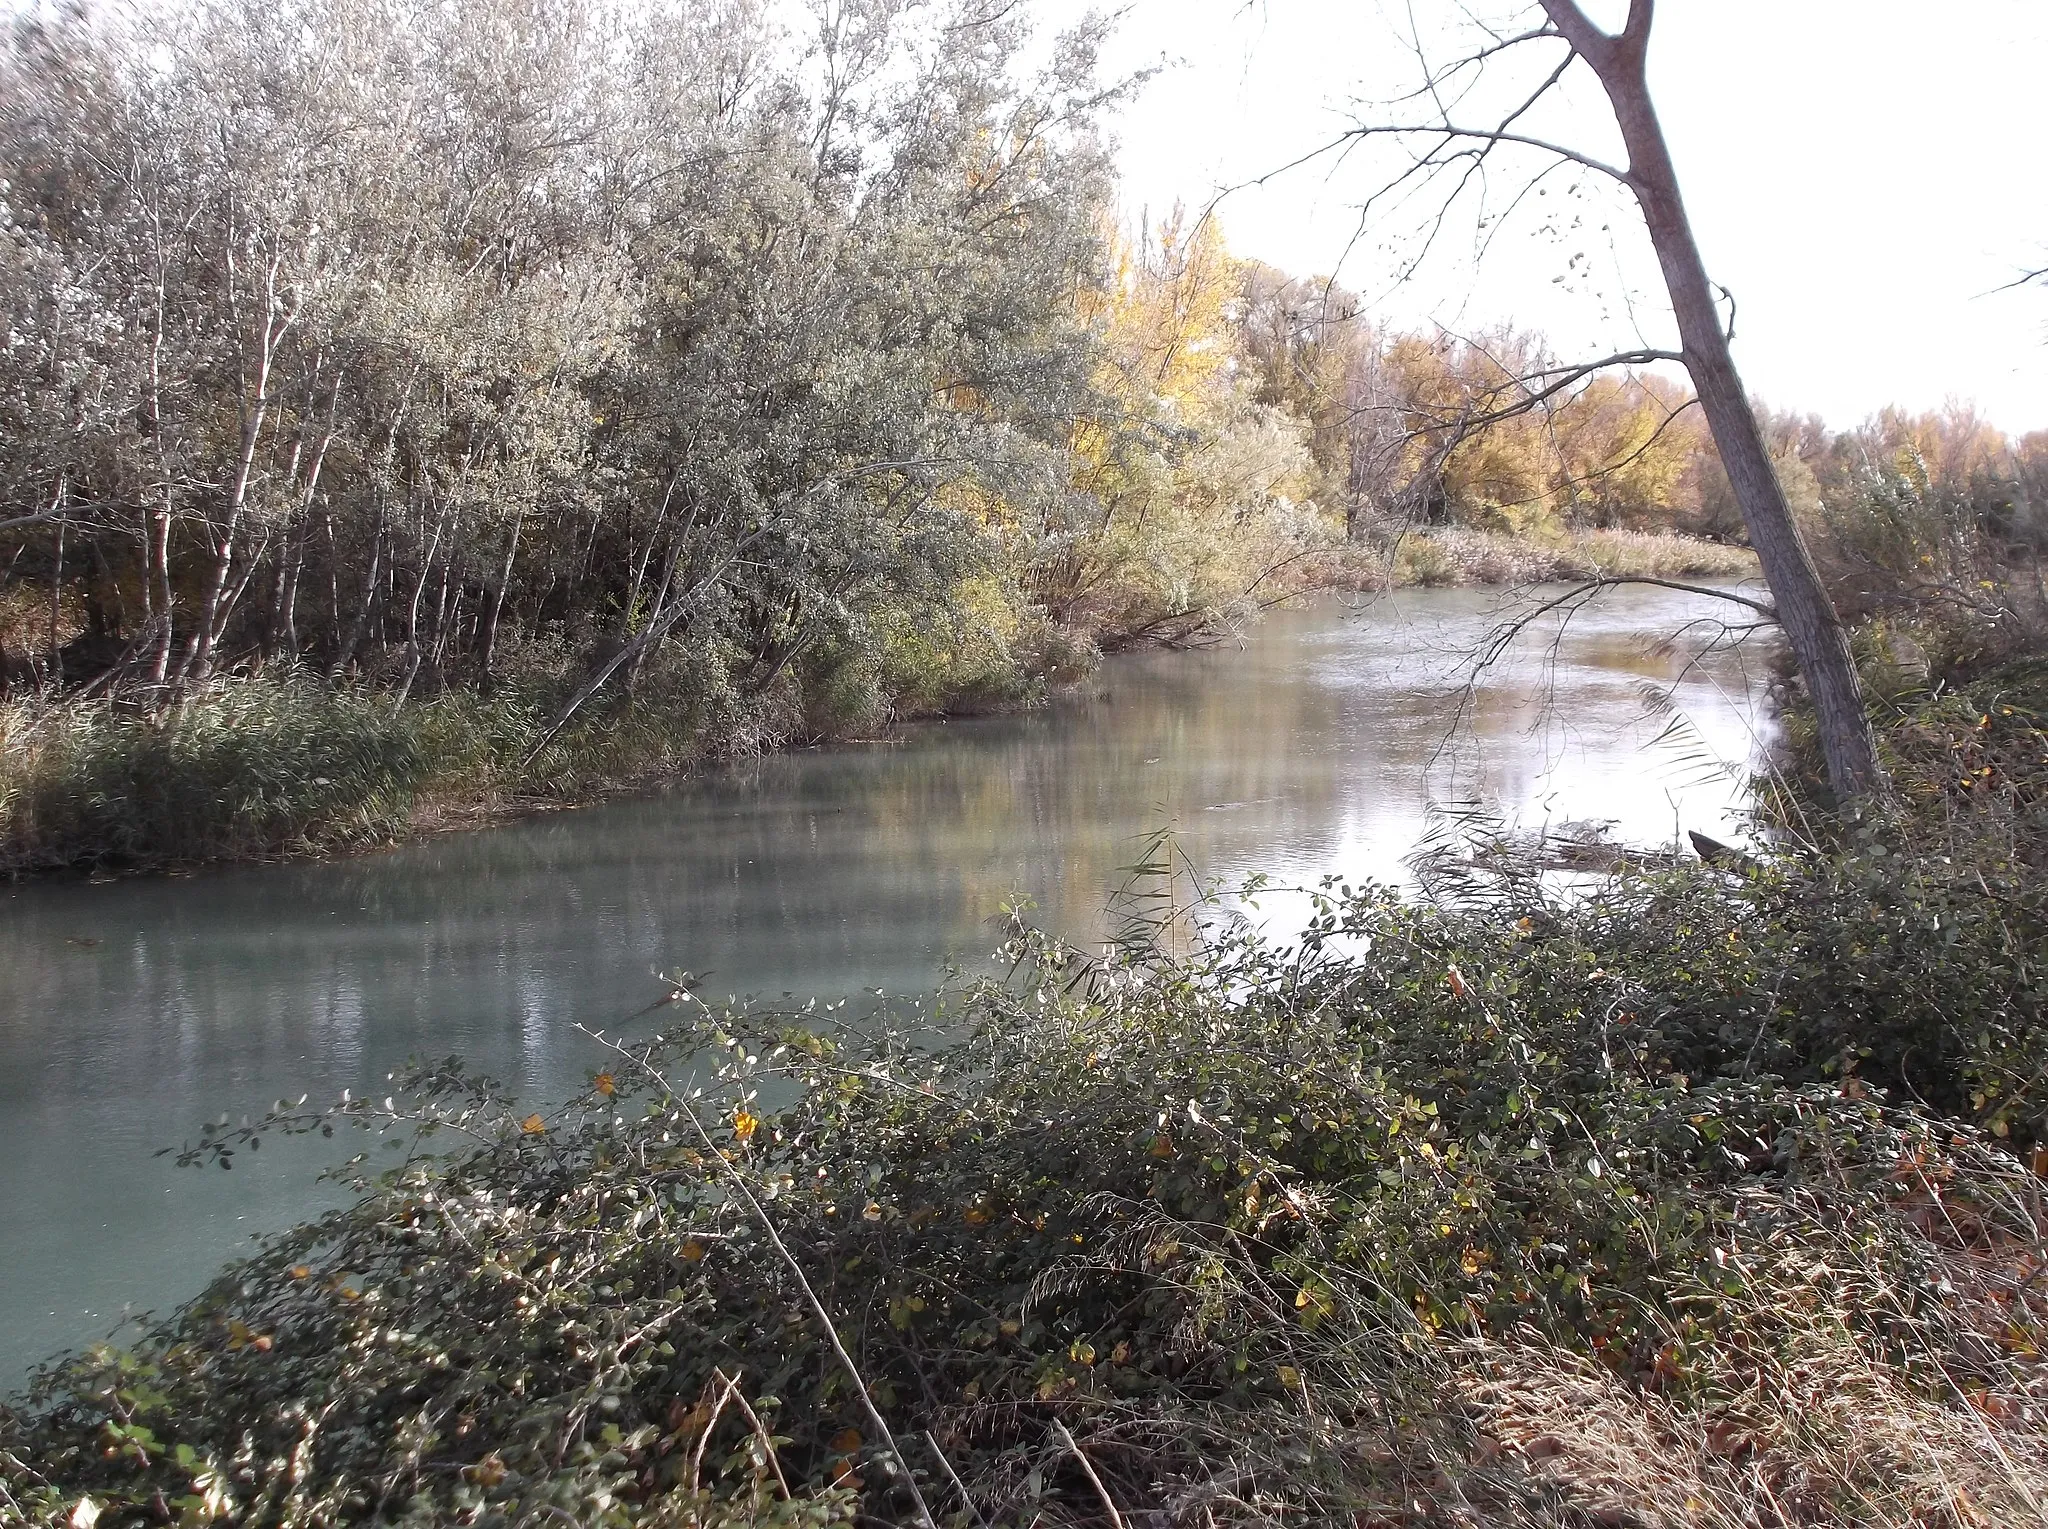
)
(1463, 555)
(284, 763)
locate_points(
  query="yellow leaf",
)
(605, 1084)
(693, 1250)
(1313, 1304)
(745, 1123)
(1290, 1377)
(974, 1215)
(533, 1125)
(301, 1271)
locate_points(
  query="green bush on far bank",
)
(282, 763)
(247, 769)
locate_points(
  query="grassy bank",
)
(1710, 1199)
(1453, 555)
(284, 763)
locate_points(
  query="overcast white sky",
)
(1861, 173)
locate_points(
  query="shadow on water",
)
(131, 1012)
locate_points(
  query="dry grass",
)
(1833, 1440)
(1460, 555)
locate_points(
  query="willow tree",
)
(1457, 155)
(521, 340)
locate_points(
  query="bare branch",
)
(1576, 28)
(1768, 612)
(1451, 133)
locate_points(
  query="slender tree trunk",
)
(158, 583)
(285, 620)
(490, 637)
(231, 599)
(333, 585)
(284, 613)
(56, 610)
(1820, 644)
(346, 652)
(668, 575)
(412, 619)
(199, 660)
(157, 533)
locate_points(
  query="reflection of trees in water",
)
(1637, 693)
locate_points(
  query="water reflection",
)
(131, 1012)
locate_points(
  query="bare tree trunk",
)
(199, 659)
(158, 585)
(56, 610)
(1820, 645)
(284, 613)
(490, 637)
(157, 534)
(671, 562)
(285, 618)
(412, 620)
(346, 652)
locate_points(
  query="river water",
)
(133, 1011)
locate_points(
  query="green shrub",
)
(246, 768)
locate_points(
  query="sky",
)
(1863, 175)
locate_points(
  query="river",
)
(132, 1011)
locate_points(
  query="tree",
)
(1820, 645)
(531, 343)
(1462, 151)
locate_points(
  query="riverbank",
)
(1457, 555)
(281, 764)
(1710, 1198)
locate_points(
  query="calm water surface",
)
(133, 1011)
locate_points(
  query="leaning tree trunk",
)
(1820, 645)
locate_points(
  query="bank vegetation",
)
(410, 415)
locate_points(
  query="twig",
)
(1115, 1518)
(954, 1477)
(767, 1439)
(746, 1193)
(731, 1388)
